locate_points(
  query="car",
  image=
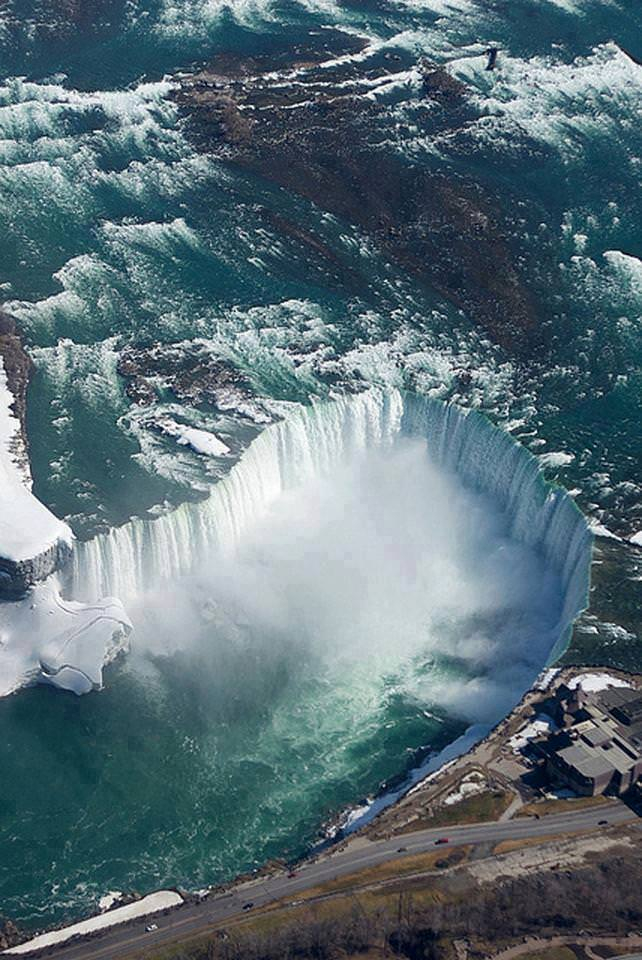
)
(248, 906)
(442, 840)
(292, 873)
(151, 927)
(401, 849)
(602, 823)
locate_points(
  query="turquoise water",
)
(116, 232)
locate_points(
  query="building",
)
(599, 748)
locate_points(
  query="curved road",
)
(190, 919)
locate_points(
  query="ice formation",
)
(46, 639)
(70, 642)
(42, 637)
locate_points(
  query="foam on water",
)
(130, 560)
(567, 106)
(118, 231)
(360, 585)
(627, 268)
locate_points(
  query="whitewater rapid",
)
(118, 234)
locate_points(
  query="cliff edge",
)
(43, 638)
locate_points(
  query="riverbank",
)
(492, 767)
(490, 873)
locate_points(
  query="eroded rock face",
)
(24, 519)
(17, 576)
(319, 131)
(10, 936)
(18, 368)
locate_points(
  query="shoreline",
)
(337, 837)
(356, 818)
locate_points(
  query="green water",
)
(186, 770)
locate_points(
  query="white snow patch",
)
(601, 531)
(560, 793)
(153, 903)
(637, 538)
(545, 678)
(541, 724)
(110, 898)
(45, 639)
(202, 441)
(354, 816)
(593, 682)
(27, 527)
(470, 785)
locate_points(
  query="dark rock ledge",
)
(18, 368)
(17, 576)
(189, 370)
(317, 130)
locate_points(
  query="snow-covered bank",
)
(32, 540)
(155, 902)
(435, 765)
(43, 638)
(353, 819)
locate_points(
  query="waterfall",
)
(541, 515)
(128, 560)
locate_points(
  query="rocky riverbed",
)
(314, 121)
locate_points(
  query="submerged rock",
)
(320, 130)
(440, 85)
(190, 370)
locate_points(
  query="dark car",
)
(292, 873)
(602, 823)
(248, 906)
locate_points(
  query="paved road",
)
(587, 941)
(189, 920)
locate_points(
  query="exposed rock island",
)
(43, 637)
(314, 122)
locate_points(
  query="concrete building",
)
(599, 749)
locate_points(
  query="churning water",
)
(266, 689)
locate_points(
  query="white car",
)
(151, 927)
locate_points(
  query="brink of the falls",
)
(130, 560)
(77, 638)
